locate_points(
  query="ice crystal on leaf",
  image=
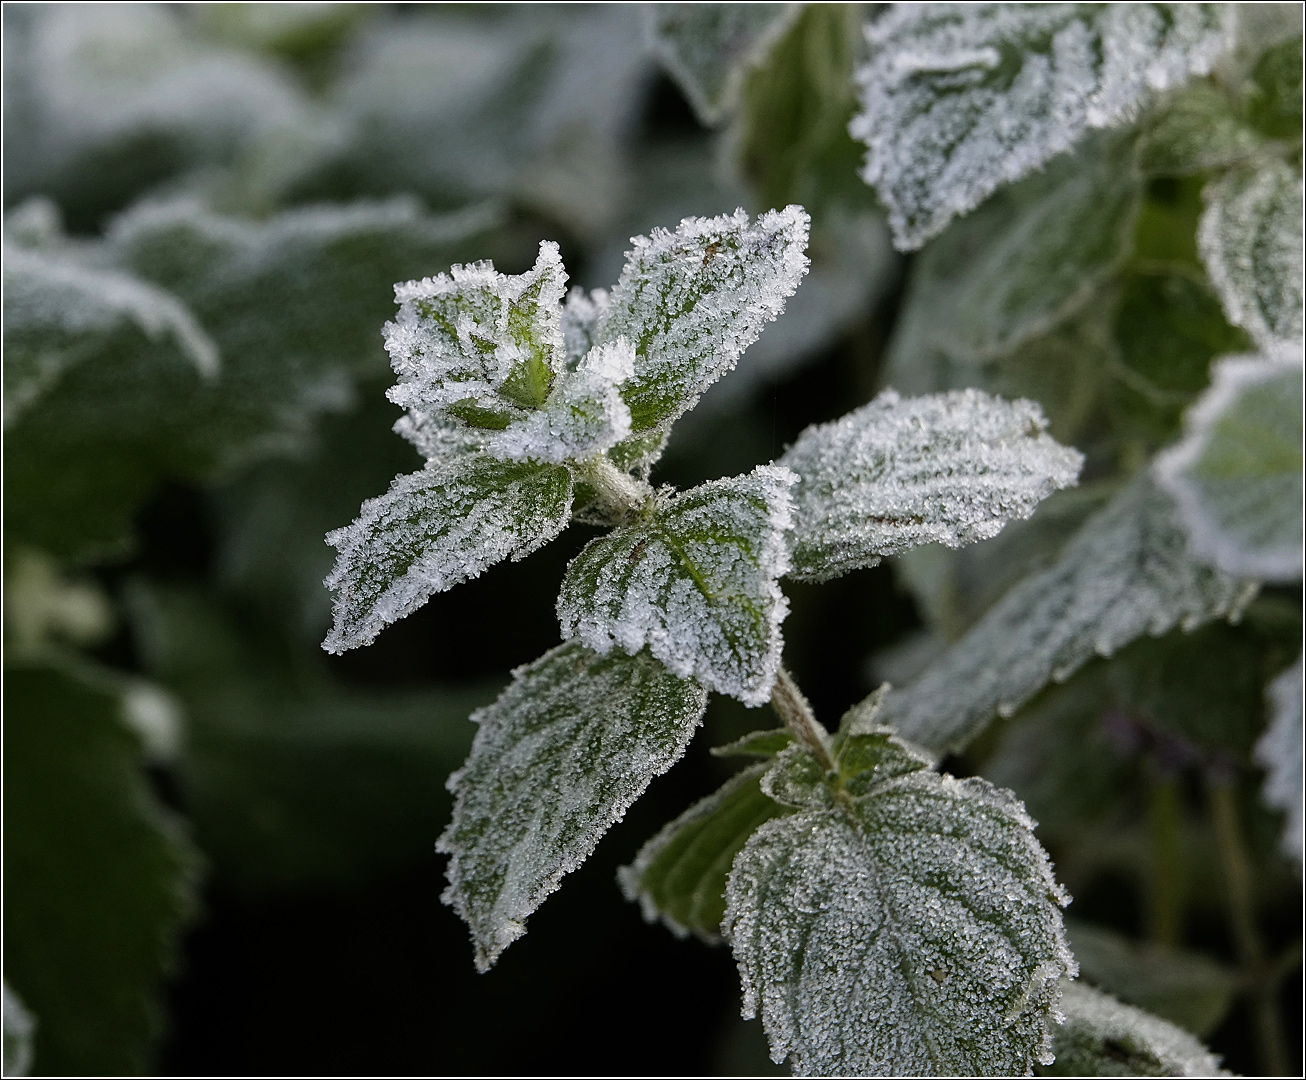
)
(958, 99)
(950, 468)
(434, 529)
(1237, 473)
(1251, 241)
(1128, 572)
(1279, 752)
(901, 923)
(1102, 1037)
(568, 746)
(696, 580)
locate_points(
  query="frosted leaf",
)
(911, 929)
(1102, 1037)
(692, 301)
(708, 48)
(1197, 129)
(695, 580)
(60, 310)
(580, 321)
(478, 346)
(584, 414)
(1128, 572)
(1250, 237)
(1237, 472)
(567, 747)
(434, 529)
(1279, 752)
(679, 876)
(1026, 260)
(950, 468)
(19, 1027)
(958, 99)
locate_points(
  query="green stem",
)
(619, 492)
(1242, 924)
(1167, 898)
(795, 710)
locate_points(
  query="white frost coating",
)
(1128, 572)
(1279, 752)
(1098, 1030)
(56, 307)
(572, 741)
(863, 963)
(696, 581)
(708, 48)
(580, 320)
(19, 1029)
(434, 529)
(692, 301)
(584, 415)
(958, 99)
(1250, 237)
(950, 468)
(1237, 472)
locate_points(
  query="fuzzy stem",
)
(619, 492)
(795, 710)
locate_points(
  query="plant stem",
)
(1166, 812)
(795, 710)
(1242, 923)
(619, 492)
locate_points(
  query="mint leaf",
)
(1128, 572)
(434, 529)
(696, 581)
(1279, 752)
(1196, 129)
(864, 949)
(567, 747)
(679, 876)
(1250, 238)
(958, 99)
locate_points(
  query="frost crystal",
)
(951, 468)
(707, 48)
(912, 930)
(1128, 572)
(580, 320)
(1102, 1037)
(692, 301)
(1279, 752)
(958, 99)
(434, 529)
(568, 746)
(1237, 473)
(1251, 241)
(19, 1028)
(696, 581)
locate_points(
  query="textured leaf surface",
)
(1237, 473)
(1127, 573)
(910, 928)
(434, 529)
(1196, 129)
(1280, 751)
(690, 302)
(951, 468)
(959, 99)
(707, 48)
(679, 876)
(1251, 241)
(696, 581)
(97, 877)
(1102, 1037)
(567, 747)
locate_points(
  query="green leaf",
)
(1023, 262)
(692, 301)
(19, 1026)
(695, 579)
(959, 100)
(1237, 473)
(679, 876)
(863, 948)
(1275, 103)
(98, 878)
(559, 757)
(1128, 572)
(1184, 988)
(1251, 242)
(952, 468)
(1279, 752)
(1101, 1037)
(756, 744)
(708, 48)
(1194, 130)
(434, 529)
